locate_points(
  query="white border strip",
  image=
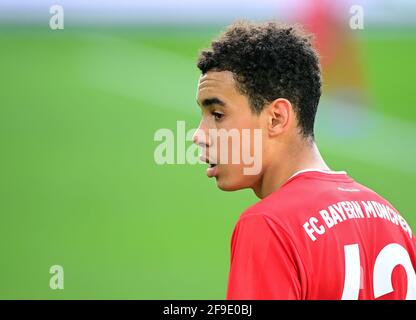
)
(317, 170)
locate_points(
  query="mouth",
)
(212, 167)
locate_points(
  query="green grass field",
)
(79, 186)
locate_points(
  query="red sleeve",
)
(262, 266)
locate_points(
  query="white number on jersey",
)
(389, 257)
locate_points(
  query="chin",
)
(229, 185)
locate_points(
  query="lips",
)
(212, 169)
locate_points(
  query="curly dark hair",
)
(269, 61)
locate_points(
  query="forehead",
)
(216, 82)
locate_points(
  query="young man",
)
(315, 233)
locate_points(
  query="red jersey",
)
(322, 236)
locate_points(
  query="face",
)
(226, 114)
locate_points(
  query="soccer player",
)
(315, 233)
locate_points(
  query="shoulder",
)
(259, 233)
(263, 229)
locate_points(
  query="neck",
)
(307, 156)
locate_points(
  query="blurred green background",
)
(80, 188)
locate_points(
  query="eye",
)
(217, 115)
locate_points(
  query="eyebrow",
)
(212, 101)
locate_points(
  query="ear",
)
(279, 115)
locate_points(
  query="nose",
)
(200, 136)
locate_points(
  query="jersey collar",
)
(316, 170)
